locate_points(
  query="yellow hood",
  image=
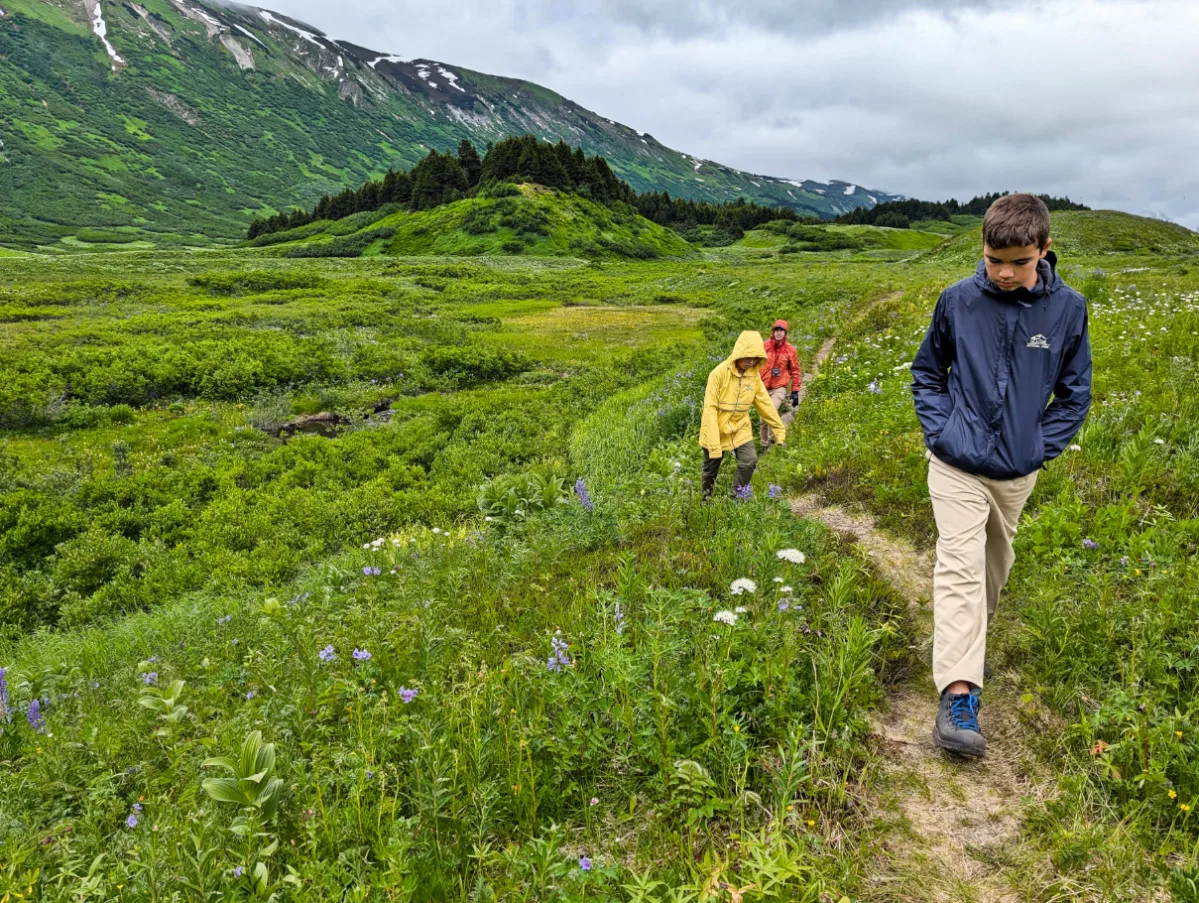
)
(749, 344)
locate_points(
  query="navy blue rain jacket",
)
(988, 365)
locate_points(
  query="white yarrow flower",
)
(743, 585)
(777, 579)
(725, 617)
(795, 556)
(1075, 448)
(740, 609)
(785, 589)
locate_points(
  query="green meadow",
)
(476, 638)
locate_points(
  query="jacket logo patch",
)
(1038, 341)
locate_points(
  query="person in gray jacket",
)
(1001, 344)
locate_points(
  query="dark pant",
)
(747, 461)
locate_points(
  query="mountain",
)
(177, 121)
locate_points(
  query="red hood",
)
(779, 324)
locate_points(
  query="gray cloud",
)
(929, 98)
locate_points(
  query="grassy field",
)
(497, 647)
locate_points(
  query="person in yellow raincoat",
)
(735, 386)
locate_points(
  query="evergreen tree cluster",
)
(901, 214)
(441, 178)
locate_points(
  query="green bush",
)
(469, 365)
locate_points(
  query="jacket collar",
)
(1047, 282)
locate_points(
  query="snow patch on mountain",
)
(851, 189)
(387, 59)
(306, 35)
(1, 14)
(451, 78)
(100, 27)
(249, 34)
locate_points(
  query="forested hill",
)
(179, 122)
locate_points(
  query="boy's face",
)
(780, 334)
(1011, 268)
(745, 363)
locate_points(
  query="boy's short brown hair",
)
(1016, 220)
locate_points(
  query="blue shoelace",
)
(963, 709)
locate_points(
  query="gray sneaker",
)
(956, 728)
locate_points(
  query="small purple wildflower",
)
(784, 605)
(237, 872)
(225, 620)
(774, 491)
(1090, 545)
(618, 617)
(407, 695)
(584, 496)
(369, 774)
(327, 654)
(5, 712)
(370, 571)
(137, 807)
(249, 695)
(152, 659)
(1124, 562)
(131, 821)
(874, 388)
(361, 655)
(744, 492)
(150, 678)
(585, 863)
(34, 716)
(558, 658)
(595, 801)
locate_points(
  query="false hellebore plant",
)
(254, 787)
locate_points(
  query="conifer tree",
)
(468, 159)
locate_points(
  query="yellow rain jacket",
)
(730, 394)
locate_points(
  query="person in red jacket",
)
(780, 373)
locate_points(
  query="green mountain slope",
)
(184, 120)
(531, 220)
(1087, 234)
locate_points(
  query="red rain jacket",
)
(781, 356)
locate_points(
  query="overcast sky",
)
(1096, 99)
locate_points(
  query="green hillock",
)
(791, 238)
(516, 220)
(1089, 233)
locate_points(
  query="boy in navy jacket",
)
(1000, 345)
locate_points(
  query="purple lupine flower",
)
(33, 714)
(584, 496)
(618, 617)
(874, 388)
(327, 654)
(5, 712)
(1090, 545)
(774, 491)
(744, 492)
(137, 807)
(371, 571)
(131, 821)
(361, 655)
(408, 695)
(585, 863)
(150, 678)
(237, 872)
(152, 659)
(558, 657)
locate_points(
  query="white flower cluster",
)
(743, 585)
(725, 617)
(795, 556)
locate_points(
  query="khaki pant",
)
(976, 520)
(779, 396)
